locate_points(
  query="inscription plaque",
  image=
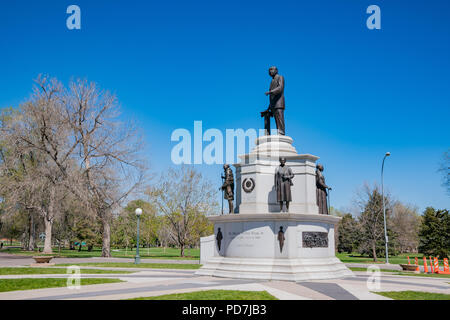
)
(315, 239)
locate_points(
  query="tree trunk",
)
(24, 241)
(31, 242)
(374, 251)
(182, 250)
(48, 220)
(48, 224)
(106, 244)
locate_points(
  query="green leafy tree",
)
(434, 233)
(122, 232)
(149, 221)
(184, 198)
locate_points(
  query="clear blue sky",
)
(351, 93)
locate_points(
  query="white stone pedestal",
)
(258, 169)
(250, 247)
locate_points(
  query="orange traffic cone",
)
(417, 264)
(408, 260)
(431, 266)
(436, 265)
(425, 266)
(446, 269)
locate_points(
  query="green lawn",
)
(401, 273)
(214, 295)
(6, 243)
(156, 253)
(14, 271)
(414, 295)
(400, 259)
(141, 265)
(30, 283)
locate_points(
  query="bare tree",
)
(371, 220)
(77, 145)
(184, 197)
(405, 223)
(41, 131)
(108, 151)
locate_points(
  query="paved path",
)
(152, 282)
(12, 260)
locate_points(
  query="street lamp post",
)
(137, 258)
(384, 208)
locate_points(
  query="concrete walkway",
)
(153, 282)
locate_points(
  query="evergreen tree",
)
(434, 233)
(348, 230)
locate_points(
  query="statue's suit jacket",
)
(277, 97)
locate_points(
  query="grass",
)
(399, 259)
(214, 295)
(16, 271)
(401, 273)
(153, 253)
(132, 265)
(414, 295)
(6, 243)
(30, 283)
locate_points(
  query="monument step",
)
(275, 269)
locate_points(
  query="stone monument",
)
(263, 242)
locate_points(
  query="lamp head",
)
(138, 211)
(388, 154)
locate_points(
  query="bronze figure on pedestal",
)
(321, 191)
(276, 105)
(228, 186)
(283, 183)
(281, 238)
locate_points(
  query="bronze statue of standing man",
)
(321, 191)
(228, 186)
(283, 183)
(276, 105)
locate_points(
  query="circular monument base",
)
(281, 246)
(275, 269)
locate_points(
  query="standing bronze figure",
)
(228, 186)
(276, 105)
(281, 239)
(283, 183)
(321, 190)
(219, 238)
